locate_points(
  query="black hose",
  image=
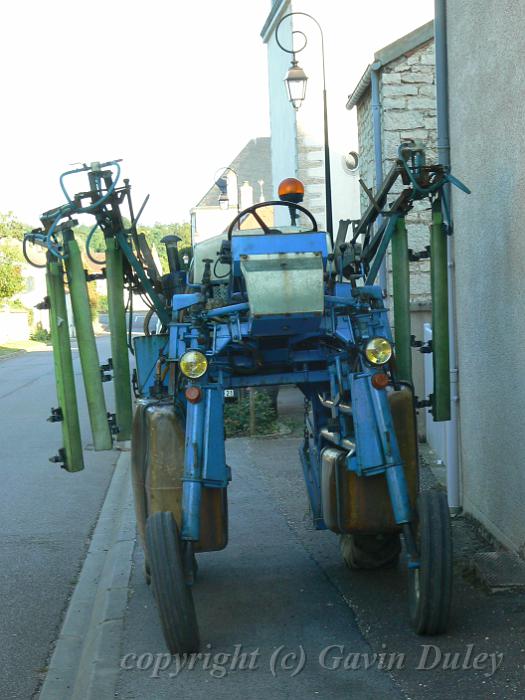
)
(26, 256)
(147, 319)
(220, 277)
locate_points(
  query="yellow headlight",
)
(378, 351)
(193, 364)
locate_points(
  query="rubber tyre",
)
(173, 596)
(371, 551)
(430, 586)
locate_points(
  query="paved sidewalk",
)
(263, 592)
(281, 583)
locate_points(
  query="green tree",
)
(11, 227)
(11, 280)
(154, 234)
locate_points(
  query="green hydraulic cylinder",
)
(401, 295)
(71, 454)
(440, 330)
(87, 346)
(119, 346)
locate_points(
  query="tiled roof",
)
(253, 163)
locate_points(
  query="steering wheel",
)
(266, 229)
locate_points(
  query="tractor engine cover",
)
(285, 291)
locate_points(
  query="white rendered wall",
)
(487, 114)
(210, 222)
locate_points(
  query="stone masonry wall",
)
(408, 100)
(408, 110)
(310, 170)
(366, 146)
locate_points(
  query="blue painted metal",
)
(312, 479)
(322, 354)
(184, 301)
(398, 490)
(215, 473)
(148, 349)
(193, 465)
(277, 243)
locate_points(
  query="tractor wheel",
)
(430, 586)
(173, 596)
(367, 551)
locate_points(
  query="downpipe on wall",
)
(378, 154)
(443, 146)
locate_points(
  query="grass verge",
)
(15, 346)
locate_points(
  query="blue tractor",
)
(273, 301)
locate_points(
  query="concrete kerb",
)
(85, 662)
(8, 356)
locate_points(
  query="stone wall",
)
(310, 170)
(366, 146)
(408, 100)
(408, 111)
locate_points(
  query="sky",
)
(175, 89)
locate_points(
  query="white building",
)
(297, 137)
(351, 33)
(245, 181)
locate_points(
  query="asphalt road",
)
(137, 325)
(46, 517)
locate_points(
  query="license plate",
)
(229, 393)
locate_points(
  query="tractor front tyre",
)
(430, 585)
(370, 551)
(168, 581)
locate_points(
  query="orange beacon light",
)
(291, 190)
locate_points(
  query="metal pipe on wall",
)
(443, 146)
(440, 313)
(378, 152)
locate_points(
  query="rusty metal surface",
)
(364, 502)
(157, 467)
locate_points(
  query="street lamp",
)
(224, 201)
(296, 80)
(222, 184)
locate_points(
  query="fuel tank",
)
(354, 503)
(157, 465)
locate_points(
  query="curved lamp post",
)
(222, 184)
(296, 80)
